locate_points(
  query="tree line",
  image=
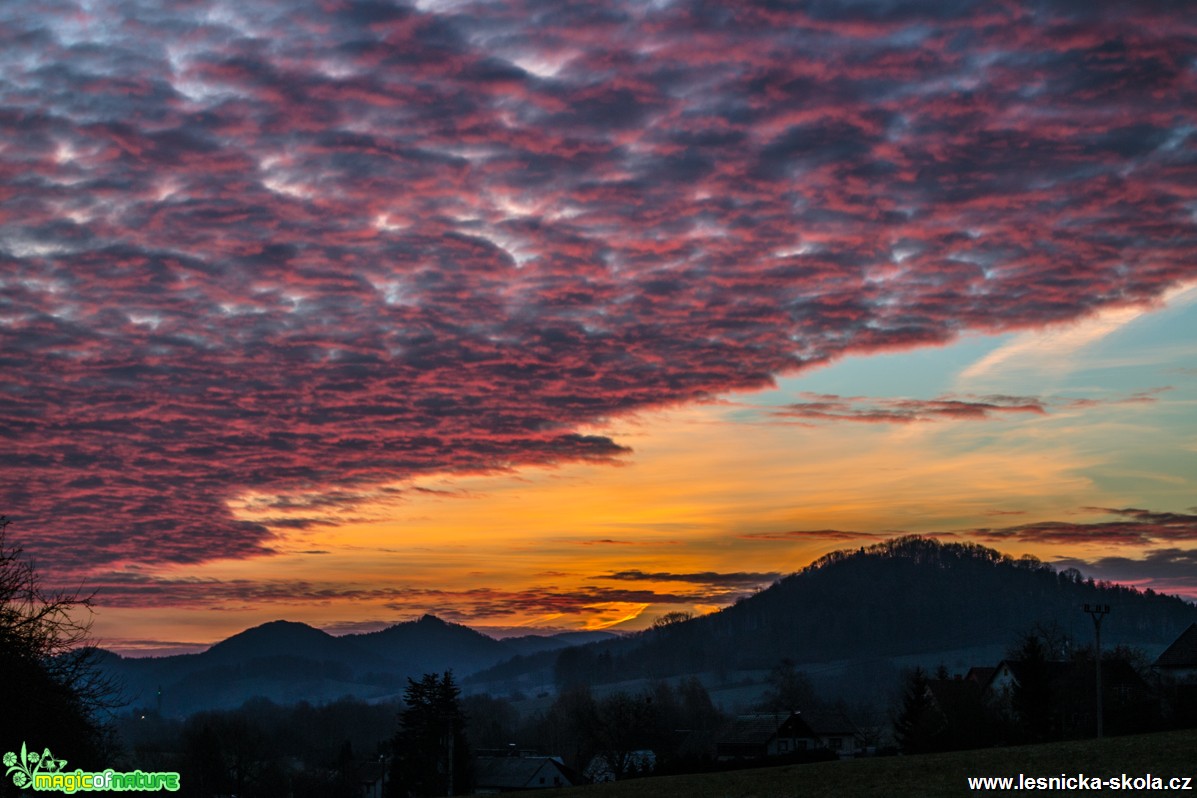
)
(1047, 691)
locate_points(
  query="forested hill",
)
(914, 594)
(910, 595)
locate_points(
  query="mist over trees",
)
(262, 749)
(266, 750)
(677, 722)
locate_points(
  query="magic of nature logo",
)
(43, 773)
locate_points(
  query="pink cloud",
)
(316, 247)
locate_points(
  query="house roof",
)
(980, 674)
(956, 697)
(1183, 651)
(1021, 669)
(1063, 673)
(827, 722)
(514, 772)
(760, 728)
(755, 729)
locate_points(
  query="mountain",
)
(283, 638)
(430, 645)
(289, 662)
(907, 597)
(534, 644)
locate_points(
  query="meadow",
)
(1167, 754)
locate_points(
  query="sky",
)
(565, 315)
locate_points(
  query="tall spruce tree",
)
(432, 756)
(917, 726)
(1033, 700)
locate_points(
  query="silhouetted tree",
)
(917, 726)
(1032, 699)
(432, 756)
(229, 752)
(626, 724)
(490, 722)
(671, 618)
(569, 726)
(1131, 694)
(52, 690)
(789, 689)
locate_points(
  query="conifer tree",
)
(917, 724)
(432, 756)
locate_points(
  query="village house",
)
(1177, 669)
(495, 774)
(372, 778)
(1179, 660)
(1071, 688)
(780, 734)
(960, 720)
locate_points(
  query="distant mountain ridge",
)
(906, 596)
(287, 662)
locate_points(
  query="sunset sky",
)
(553, 314)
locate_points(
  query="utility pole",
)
(449, 718)
(1097, 612)
(451, 736)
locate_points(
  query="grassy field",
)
(1167, 754)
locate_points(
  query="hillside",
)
(289, 662)
(907, 596)
(280, 638)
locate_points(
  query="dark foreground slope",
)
(1166, 755)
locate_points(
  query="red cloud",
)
(1134, 527)
(825, 407)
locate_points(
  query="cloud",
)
(616, 542)
(1133, 527)
(134, 590)
(829, 407)
(822, 407)
(1170, 570)
(308, 248)
(129, 647)
(817, 535)
(739, 581)
(1055, 350)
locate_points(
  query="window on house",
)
(835, 743)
